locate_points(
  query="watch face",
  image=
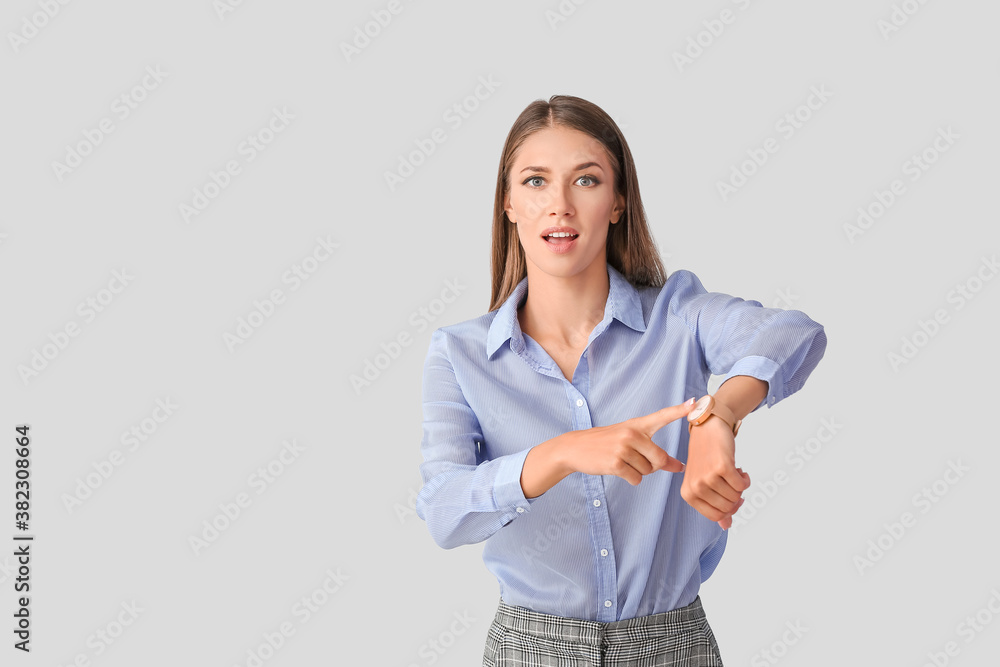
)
(699, 407)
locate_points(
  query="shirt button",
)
(607, 603)
(579, 402)
(604, 552)
(520, 509)
(597, 503)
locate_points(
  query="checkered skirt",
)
(524, 638)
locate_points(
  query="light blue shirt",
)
(593, 546)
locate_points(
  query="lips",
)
(560, 244)
(554, 230)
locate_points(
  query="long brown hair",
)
(630, 247)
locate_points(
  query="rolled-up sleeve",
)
(741, 337)
(463, 500)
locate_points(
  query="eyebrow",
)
(585, 165)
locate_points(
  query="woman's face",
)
(563, 178)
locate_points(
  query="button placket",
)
(600, 527)
(593, 487)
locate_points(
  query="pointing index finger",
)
(654, 421)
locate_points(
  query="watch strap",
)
(722, 412)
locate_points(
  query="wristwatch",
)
(705, 407)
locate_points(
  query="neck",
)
(566, 309)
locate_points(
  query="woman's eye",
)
(591, 181)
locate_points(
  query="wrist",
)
(557, 452)
(544, 467)
(711, 424)
(707, 408)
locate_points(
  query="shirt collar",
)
(623, 304)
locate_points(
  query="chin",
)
(563, 266)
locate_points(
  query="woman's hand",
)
(625, 449)
(713, 484)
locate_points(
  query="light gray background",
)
(343, 505)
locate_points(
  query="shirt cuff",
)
(764, 369)
(507, 491)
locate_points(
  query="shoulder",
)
(682, 296)
(470, 329)
(682, 289)
(463, 339)
(682, 284)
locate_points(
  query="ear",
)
(508, 209)
(618, 209)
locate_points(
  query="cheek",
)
(529, 205)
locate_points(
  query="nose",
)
(556, 202)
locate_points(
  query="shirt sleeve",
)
(741, 337)
(463, 499)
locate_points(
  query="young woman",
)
(556, 427)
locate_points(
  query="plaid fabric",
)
(524, 638)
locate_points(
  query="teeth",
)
(561, 234)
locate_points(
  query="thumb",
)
(654, 421)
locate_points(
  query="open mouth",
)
(558, 240)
